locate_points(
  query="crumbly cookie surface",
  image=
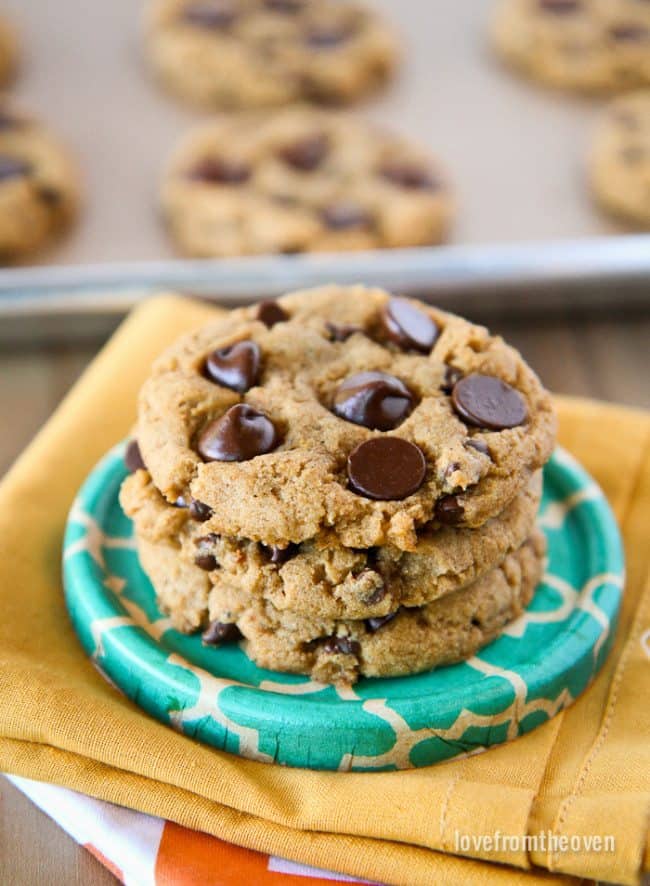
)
(38, 189)
(301, 180)
(260, 53)
(331, 582)
(620, 158)
(273, 462)
(586, 45)
(408, 641)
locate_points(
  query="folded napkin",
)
(585, 773)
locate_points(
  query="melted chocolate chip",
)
(408, 176)
(342, 331)
(631, 33)
(13, 167)
(328, 36)
(408, 326)
(270, 313)
(479, 445)
(452, 376)
(341, 216)
(449, 510)
(236, 366)
(221, 632)
(199, 511)
(133, 457)
(559, 7)
(279, 555)
(375, 400)
(210, 14)
(204, 558)
(307, 153)
(219, 171)
(341, 646)
(287, 7)
(488, 402)
(239, 435)
(386, 468)
(377, 595)
(373, 624)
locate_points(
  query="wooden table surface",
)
(603, 356)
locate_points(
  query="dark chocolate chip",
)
(133, 457)
(449, 510)
(488, 402)
(559, 7)
(204, 558)
(451, 469)
(211, 14)
(479, 445)
(270, 313)
(287, 7)
(375, 400)
(328, 36)
(206, 561)
(408, 326)
(452, 376)
(199, 511)
(221, 632)
(235, 366)
(239, 434)
(377, 595)
(13, 167)
(406, 175)
(219, 171)
(386, 468)
(476, 622)
(307, 153)
(278, 555)
(341, 646)
(341, 216)
(631, 33)
(373, 624)
(342, 331)
(50, 196)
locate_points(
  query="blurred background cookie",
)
(8, 51)
(620, 158)
(301, 180)
(586, 45)
(38, 188)
(251, 53)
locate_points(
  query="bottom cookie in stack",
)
(410, 612)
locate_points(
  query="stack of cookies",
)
(345, 480)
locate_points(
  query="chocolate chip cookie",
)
(586, 45)
(38, 191)
(343, 416)
(620, 158)
(311, 580)
(301, 180)
(260, 53)
(405, 641)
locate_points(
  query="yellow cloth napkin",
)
(585, 772)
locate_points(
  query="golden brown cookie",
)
(301, 180)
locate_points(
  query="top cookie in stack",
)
(347, 478)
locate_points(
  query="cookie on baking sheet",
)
(8, 51)
(313, 581)
(38, 184)
(342, 415)
(586, 45)
(406, 641)
(619, 165)
(301, 180)
(260, 53)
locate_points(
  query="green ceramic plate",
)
(218, 696)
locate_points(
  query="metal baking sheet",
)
(514, 151)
